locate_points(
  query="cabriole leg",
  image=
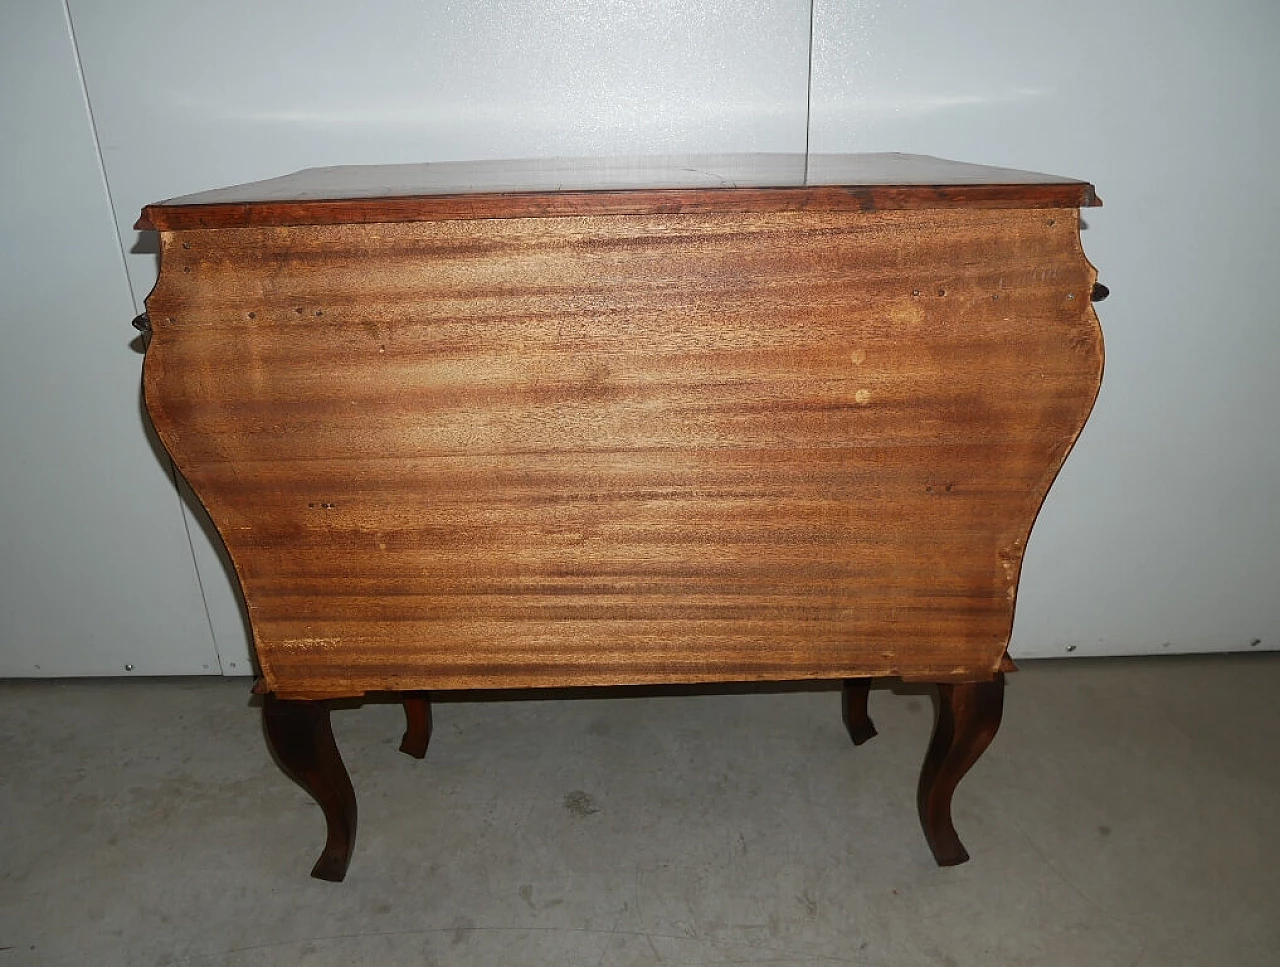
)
(417, 731)
(968, 717)
(300, 735)
(854, 705)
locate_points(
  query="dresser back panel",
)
(625, 448)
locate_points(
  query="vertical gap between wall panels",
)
(124, 268)
(97, 144)
(808, 95)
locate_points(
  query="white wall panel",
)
(95, 568)
(1163, 531)
(194, 96)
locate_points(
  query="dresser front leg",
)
(854, 705)
(301, 736)
(417, 731)
(968, 718)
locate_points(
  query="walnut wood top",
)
(687, 184)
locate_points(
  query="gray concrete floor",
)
(1125, 815)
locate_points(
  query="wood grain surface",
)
(673, 184)
(609, 449)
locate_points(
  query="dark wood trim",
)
(301, 737)
(417, 731)
(666, 201)
(968, 718)
(854, 708)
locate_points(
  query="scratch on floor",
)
(1088, 900)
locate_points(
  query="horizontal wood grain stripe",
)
(721, 446)
(613, 650)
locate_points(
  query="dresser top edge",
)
(666, 184)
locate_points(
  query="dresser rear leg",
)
(300, 735)
(854, 704)
(968, 717)
(417, 731)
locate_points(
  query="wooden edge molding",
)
(663, 201)
(338, 693)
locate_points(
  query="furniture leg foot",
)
(854, 705)
(301, 736)
(417, 731)
(968, 718)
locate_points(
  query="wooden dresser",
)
(701, 419)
